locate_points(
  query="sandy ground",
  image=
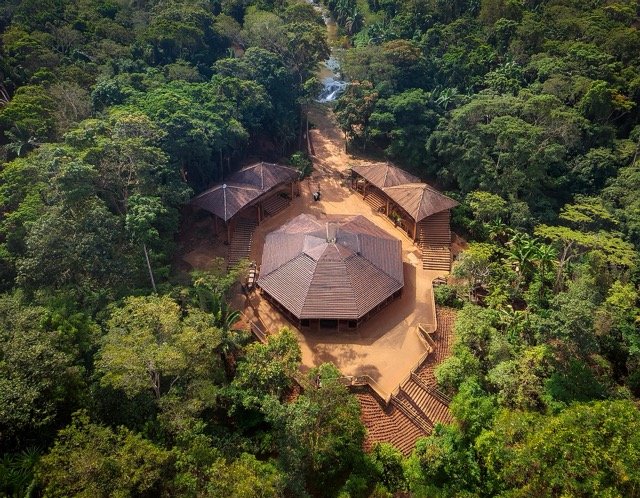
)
(387, 346)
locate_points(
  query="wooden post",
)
(228, 232)
(386, 211)
(364, 189)
(415, 230)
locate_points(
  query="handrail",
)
(423, 422)
(424, 331)
(437, 393)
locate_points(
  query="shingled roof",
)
(227, 199)
(384, 174)
(265, 176)
(419, 200)
(341, 268)
(244, 187)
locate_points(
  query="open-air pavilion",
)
(254, 192)
(376, 176)
(418, 209)
(330, 274)
(416, 202)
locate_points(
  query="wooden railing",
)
(424, 331)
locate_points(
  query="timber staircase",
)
(241, 241)
(434, 238)
(274, 204)
(427, 405)
(377, 202)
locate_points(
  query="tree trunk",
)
(146, 256)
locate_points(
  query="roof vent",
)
(332, 232)
(224, 185)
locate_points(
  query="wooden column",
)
(386, 211)
(258, 209)
(415, 230)
(228, 232)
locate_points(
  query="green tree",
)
(589, 448)
(28, 119)
(40, 382)
(151, 346)
(320, 434)
(91, 460)
(268, 369)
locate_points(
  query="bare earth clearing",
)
(387, 346)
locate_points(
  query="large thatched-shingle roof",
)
(341, 268)
(384, 174)
(419, 200)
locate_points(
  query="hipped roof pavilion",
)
(227, 199)
(247, 187)
(419, 200)
(265, 176)
(384, 175)
(392, 184)
(341, 269)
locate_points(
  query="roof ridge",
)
(340, 262)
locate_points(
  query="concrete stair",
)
(434, 238)
(241, 241)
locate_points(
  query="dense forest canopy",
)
(114, 113)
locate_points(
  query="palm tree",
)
(20, 141)
(498, 231)
(522, 253)
(447, 97)
(232, 339)
(546, 257)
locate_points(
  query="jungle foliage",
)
(114, 113)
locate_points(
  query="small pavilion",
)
(333, 273)
(418, 209)
(376, 176)
(256, 191)
(418, 201)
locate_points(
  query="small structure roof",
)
(341, 268)
(265, 176)
(244, 187)
(419, 200)
(226, 199)
(384, 174)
